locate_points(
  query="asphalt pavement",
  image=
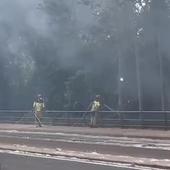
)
(19, 162)
(135, 147)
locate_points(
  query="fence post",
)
(165, 120)
(121, 119)
(141, 118)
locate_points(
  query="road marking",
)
(74, 159)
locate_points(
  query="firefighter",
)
(95, 108)
(38, 108)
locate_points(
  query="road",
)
(150, 148)
(92, 146)
(19, 162)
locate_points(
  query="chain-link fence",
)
(136, 119)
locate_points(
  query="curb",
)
(133, 161)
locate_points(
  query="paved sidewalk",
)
(119, 132)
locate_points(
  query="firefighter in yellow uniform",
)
(95, 108)
(39, 108)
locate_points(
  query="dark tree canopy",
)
(70, 50)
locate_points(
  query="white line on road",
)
(74, 159)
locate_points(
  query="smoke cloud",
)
(51, 46)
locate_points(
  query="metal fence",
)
(136, 119)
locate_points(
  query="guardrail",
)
(137, 119)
